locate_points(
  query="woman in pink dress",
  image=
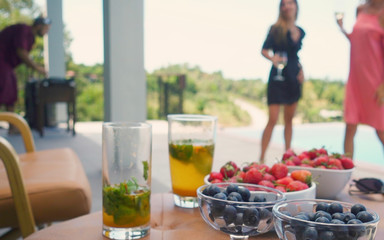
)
(364, 96)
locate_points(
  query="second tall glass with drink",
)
(191, 140)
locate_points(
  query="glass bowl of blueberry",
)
(325, 220)
(238, 209)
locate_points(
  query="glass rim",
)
(191, 117)
(276, 211)
(122, 124)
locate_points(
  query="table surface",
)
(170, 222)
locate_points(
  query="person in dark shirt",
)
(16, 41)
(281, 46)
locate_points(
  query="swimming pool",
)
(368, 148)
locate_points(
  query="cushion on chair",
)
(56, 183)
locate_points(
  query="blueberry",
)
(235, 195)
(221, 196)
(259, 198)
(302, 216)
(251, 217)
(355, 209)
(239, 219)
(364, 216)
(356, 231)
(354, 221)
(311, 216)
(265, 213)
(229, 214)
(223, 191)
(348, 216)
(213, 189)
(286, 213)
(310, 233)
(245, 194)
(335, 208)
(327, 235)
(322, 207)
(232, 188)
(338, 216)
(337, 221)
(205, 191)
(323, 214)
(322, 220)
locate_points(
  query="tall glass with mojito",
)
(127, 149)
(191, 140)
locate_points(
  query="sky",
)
(219, 35)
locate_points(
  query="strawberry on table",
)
(279, 170)
(304, 176)
(288, 154)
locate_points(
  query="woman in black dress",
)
(283, 36)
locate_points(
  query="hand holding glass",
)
(281, 63)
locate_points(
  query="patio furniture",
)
(169, 222)
(39, 187)
(38, 94)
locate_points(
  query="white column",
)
(54, 55)
(124, 75)
(54, 44)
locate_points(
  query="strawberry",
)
(279, 170)
(284, 181)
(288, 154)
(249, 166)
(268, 177)
(334, 162)
(229, 169)
(296, 186)
(262, 167)
(321, 151)
(303, 155)
(215, 175)
(289, 162)
(235, 179)
(322, 160)
(253, 176)
(304, 176)
(312, 154)
(240, 174)
(266, 183)
(296, 160)
(281, 188)
(347, 163)
(321, 167)
(216, 181)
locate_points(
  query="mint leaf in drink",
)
(146, 168)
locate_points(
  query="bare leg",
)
(273, 117)
(289, 112)
(350, 131)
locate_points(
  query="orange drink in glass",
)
(191, 151)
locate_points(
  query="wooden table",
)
(173, 223)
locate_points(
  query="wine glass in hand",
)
(281, 63)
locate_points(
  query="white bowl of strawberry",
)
(331, 172)
(296, 185)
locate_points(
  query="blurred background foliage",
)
(204, 93)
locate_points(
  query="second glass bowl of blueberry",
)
(240, 210)
(325, 220)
